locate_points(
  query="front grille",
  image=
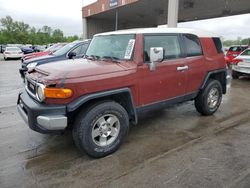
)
(31, 87)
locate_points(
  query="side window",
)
(78, 50)
(193, 46)
(218, 45)
(169, 43)
(84, 48)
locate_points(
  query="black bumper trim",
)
(29, 109)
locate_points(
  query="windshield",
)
(64, 49)
(55, 47)
(13, 49)
(246, 52)
(112, 46)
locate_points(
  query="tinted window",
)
(170, 44)
(77, 50)
(84, 48)
(243, 48)
(235, 49)
(246, 52)
(65, 49)
(80, 50)
(193, 46)
(218, 45)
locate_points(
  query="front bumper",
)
(22, 71)
(41, 117)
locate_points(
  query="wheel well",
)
(124, 99)
(219, 76)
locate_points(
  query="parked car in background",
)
(49, 50)
(2, 48)
(241, 64)
(39, 48)
(27, 50)
(12, 53)
(234, 51)
(72, 50)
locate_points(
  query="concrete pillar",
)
(173, 9)
(85, 29)
(116, 19)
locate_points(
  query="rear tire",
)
(235, 75)
(100, 130)
(209, 99)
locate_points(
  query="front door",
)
(169, 79)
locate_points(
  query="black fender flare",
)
(223, 79)
(76, 104)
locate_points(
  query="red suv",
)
(233, 52)
(125, 73)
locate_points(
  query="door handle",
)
(182, 68)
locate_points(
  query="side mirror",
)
(71, 55)
(156, 56)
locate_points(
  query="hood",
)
(40, 59)
(81, 68)
(36, 54)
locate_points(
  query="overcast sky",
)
(66, 15)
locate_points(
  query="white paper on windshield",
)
(130, 48)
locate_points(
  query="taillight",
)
(236, 61)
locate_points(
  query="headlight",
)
(40, 92)
(31, 65)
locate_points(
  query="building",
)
(109, 15)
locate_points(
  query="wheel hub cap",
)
(105, 130)
(213, 98)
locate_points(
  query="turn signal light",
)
(57, 93)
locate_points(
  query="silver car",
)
(12, 53)
(241, 64)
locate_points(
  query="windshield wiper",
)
(114, 59)
(92, 57)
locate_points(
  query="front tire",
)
(100, 130)
(209, 99)
(235, 75)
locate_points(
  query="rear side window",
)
(218, 45)
(170, 44)
(193, 46)
(246, 52)
(235, 49)
(243, 48)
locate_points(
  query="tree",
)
(57, 36)
(17, 32)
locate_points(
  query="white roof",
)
(197, 32)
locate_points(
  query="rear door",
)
(195, 62)
(169, 79)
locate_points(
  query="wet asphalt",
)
(174, 147)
